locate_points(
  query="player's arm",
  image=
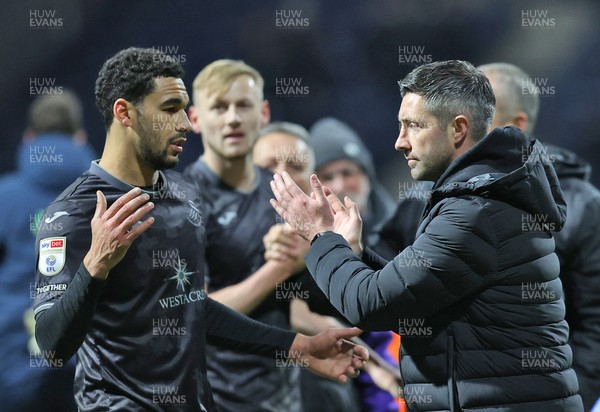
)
(60, 329)
(328, 354)
(245, 296)
(305, 321)
(62, 325)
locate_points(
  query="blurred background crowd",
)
(344, 57)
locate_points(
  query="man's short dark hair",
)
(56, 113)
(130, 75)
(451, 88)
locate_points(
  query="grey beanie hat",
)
(334, 140)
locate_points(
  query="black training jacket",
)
(578, 248)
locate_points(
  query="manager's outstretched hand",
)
(305, 214)
(320, 212)
(330, 354)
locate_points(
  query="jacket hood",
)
(505, 165)
(568, 164)
(53, 160)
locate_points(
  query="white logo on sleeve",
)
(55, 216)
(194, 216)
(226, 218)
(53, 252)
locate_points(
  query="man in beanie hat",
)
(344, 164)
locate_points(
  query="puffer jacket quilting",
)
(477, 297)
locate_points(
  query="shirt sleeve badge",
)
(52, 255)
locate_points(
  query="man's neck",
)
(239, 173)
(122, 163)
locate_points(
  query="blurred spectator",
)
(53, 154)
(345, 165)
(578, 243)
(284, 146)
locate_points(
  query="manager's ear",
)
(459, 130)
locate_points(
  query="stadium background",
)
(345, 57)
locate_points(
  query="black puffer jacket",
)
(477, 297)
(578, 248)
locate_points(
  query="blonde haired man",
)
(228, 111)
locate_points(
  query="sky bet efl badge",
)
(53, 251)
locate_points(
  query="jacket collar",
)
(505, 165)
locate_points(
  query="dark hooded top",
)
(477, 297)
(578, 249)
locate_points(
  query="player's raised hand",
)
(330, 354)
(114, 230)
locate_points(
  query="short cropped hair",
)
(130, 74)
(451, 88)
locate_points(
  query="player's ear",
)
(122, 112)
(193, 116)
(266, 113)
